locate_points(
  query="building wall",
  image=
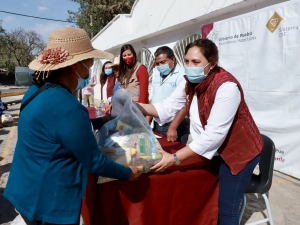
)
(153, 23)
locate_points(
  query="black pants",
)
(183, 130)
(28, 222)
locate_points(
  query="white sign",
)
(262, 50)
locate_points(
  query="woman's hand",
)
(108, 108)
(135, 173)
(107, 118)
(172, 134)
(166, 162)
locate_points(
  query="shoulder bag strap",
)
(44, 87)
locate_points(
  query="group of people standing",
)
(127, 73)
(56, 145)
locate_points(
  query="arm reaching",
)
(172, 131)
(135, 173)
(147, 109)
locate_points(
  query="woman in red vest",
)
(133, 76)
(107, 83)
(220, 125)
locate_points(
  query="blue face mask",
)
(108, 72)
(195, 74)
(82, 83)
(164, 69)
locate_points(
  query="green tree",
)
(19, 47)
(101, 12)
(5, 57)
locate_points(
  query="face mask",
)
(128, 60)
(195, 74)
(87, 80)
(108, 72)
(82, 83)
(164, 69)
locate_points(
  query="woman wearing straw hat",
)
(56, 144)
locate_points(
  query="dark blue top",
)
(55, 145)
(117, 86)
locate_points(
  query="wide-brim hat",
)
(66, 47)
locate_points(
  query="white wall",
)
(153, 23)
(168, 20)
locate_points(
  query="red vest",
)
(111, 79)
(243, 141)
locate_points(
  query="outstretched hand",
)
(135, 173)
(172, 134)
(166, 162)
(108, 109)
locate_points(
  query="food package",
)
(7, 118)
(128, 139)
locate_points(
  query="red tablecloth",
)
(185, 194)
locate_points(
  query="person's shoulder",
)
(141, 66)
(155, 73)
(142, 69)
(225, 75)
(62, 95)
(179, 70)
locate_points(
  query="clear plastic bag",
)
(128, 139)
(7, 118)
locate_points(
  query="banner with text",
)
(261, 49)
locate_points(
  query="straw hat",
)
(66, 47)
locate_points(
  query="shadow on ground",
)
(3, 131)
(255, 203)
(7, 212)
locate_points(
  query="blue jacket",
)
(55, 145)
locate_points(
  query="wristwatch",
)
(176, 160)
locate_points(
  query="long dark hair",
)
(210, 52)
(103, 76)
(125, 70)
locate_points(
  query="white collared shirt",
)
(161, 89)
(206, 141)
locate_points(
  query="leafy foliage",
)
(24, 45)
(101, 12)
(5, 56)
(19, 47)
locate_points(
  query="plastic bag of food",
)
(7, 118)
(128, 139)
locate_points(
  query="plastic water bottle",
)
(84, 102)
(98, 112)
(102, 107)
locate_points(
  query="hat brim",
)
(37, 66)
